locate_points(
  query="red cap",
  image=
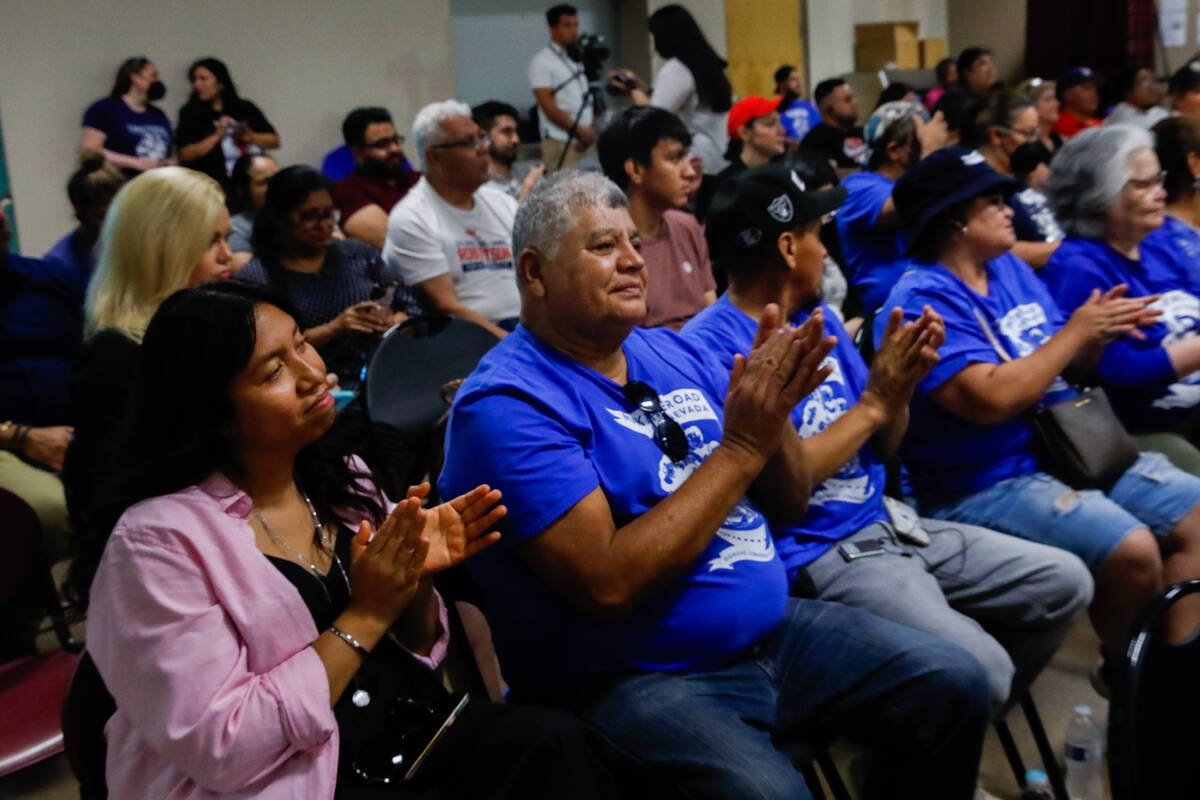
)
(749, 108)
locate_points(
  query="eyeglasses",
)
(1144, 184)
(477, 142)
(1026, 133)
(380, 144)
(668, 434)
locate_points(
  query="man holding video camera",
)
(558, 81)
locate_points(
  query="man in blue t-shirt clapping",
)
(637, 582)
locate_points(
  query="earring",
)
(964, 228)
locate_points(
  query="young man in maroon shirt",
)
(645, 152)
(382, 177)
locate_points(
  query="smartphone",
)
(384, 296)
(853, 550)
(408, 776)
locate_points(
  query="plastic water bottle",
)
(1085, 757)
(1037, 786)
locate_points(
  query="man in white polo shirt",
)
(560, 87)
(451, 235)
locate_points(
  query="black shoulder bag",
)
(1080, 441)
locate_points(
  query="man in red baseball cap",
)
(754, 125)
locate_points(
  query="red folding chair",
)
(31, 688)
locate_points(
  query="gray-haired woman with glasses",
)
(1106, 187)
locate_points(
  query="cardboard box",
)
(932, 51)
(887, 45)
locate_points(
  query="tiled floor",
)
(1063, 685)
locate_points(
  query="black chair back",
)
(1155, 703)
(410, 383)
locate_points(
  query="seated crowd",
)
(758, 459)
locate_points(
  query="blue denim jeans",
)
(918, 702)
(1151, 494)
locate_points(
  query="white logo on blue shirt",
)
(744, 529)
(851, 483)
(1027, 328)
(1181, 316)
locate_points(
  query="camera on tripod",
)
(591, 51)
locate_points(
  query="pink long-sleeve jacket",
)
(206, 648)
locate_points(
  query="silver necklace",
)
(320, 535)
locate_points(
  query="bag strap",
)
(991, 337)
(1004, 355)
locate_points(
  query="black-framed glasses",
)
(668, 434)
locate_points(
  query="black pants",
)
(499, 751)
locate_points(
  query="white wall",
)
(831, 29)
(305, 62)
(493, 42)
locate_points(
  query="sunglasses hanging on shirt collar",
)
(668, 434)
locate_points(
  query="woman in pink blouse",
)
(257, 604)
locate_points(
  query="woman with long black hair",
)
(345, 295)
(691, 84)
(216, 125)
(267, 626)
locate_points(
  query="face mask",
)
(156, 91)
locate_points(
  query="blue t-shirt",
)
(547, 431)
(1033, 220)
(874, 256)
(799, 118)
(41, 333)
(853, 498)
(144, 134)
(78, 262)
(1137, 374)
(945, 453)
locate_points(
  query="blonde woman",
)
(164, 231)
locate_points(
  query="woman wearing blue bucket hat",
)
(971, 442)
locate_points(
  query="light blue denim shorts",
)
(1153, 494)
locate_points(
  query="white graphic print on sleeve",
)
(745, 529)
(1027, 328)
(851, 483)
(1181, 315)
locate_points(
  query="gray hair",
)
(1088, 173)
(548, 213)
(427, 127)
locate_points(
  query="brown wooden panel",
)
(760, 36)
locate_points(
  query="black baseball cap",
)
(1070, 78)
(940, 180)
(761, 203)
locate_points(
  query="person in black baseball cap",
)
(1079, 92)
(763, 213)
(851, 424)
